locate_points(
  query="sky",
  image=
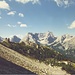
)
(18, 17)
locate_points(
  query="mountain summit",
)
(15, 39)
(41, 38)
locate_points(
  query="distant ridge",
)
(64, 42)
(15, 39)
(41, 38)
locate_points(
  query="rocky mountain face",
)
(40, 38)
(66, 45)
(15, 39)
(17, 53)
(70, 44)
(63, 42)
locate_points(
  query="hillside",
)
(31, 64)
(33, 50)
(7, 67)
(64, 42)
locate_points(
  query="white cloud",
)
(72, 26)
(21, 15)
(19, 23)
(11, 13)
(65, 3)
(11, 25)
(58, 2)
(23, 25)
(4, 5)
(26, 1)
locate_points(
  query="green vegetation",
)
(36, 51)
(69, 68)
(42, 53)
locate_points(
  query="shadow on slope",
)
(7, 67)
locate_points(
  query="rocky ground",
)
(30, 64)
(6, 67)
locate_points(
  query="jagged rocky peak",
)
(67, 36)
(15, 39)
(46, 34)
(42, 38)
(49, 34)
(29, 37)
(64, 42)
(69, 44)
(63, 38)
(47, 38)
(28, 34)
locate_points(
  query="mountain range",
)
(40, 47)
(41, 38)
(64, 42)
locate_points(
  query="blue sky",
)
(17, 17)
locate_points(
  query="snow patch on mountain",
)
(64, 42)
(42, 38)
(63, 38)
(70, 44)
